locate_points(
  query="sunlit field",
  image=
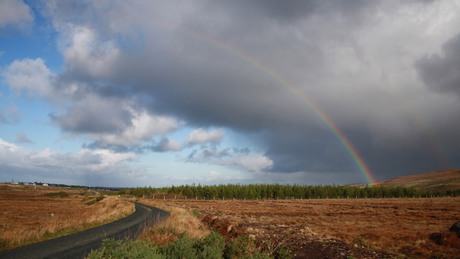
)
(30, 214)
(399, 227)
(309, 228)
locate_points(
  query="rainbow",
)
(323, 117)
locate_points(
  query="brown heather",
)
(29, 214)
(362, 228)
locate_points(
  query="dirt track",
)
(80, 244)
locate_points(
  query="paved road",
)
(80, 244)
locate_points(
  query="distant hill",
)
(437, 181)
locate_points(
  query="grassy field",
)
(371, 228)
(30, 214)
(301, 228)
(35, 213)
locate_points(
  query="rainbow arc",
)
(352, 152)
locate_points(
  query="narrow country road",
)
(80, 244)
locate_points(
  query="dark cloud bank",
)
(441, 72)
(208, 63)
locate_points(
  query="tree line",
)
(278, 191)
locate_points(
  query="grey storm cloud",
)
(315, 152)
(94, 115)
(164, 145)
(442, 72)
(255, 66)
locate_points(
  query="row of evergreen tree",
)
(278, 191)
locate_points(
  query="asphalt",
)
(80, 244)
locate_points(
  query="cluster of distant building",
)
(32, 183)
(62, 185)
(43, 184)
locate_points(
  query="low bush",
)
(3, 244)
(57, 194)
(212, 246)
(96, 200)
(5, 187)
(126, 249)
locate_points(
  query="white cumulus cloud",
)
(84, 53)
(242, 160)
(253, 163)
(143, 127)
(14, 12)
(47, 164)
(201, 136)
(30, 75)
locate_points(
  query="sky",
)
(158, 93)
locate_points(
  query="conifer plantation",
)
(278, 191)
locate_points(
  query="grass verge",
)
(183, 235)
(212, 246)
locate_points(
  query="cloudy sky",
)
(139, 93)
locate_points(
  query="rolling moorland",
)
(402, 217)
(31, 214)
(448, 180)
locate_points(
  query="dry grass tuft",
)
(109, 209)
(181, 221)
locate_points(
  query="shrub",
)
(57, 194)
(5, 187)
(98, 199)
(212, 246)
(243, 247)
(3, 244)
(283, 252)
(126, 249)
(182, 247)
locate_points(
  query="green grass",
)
(212, 246)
